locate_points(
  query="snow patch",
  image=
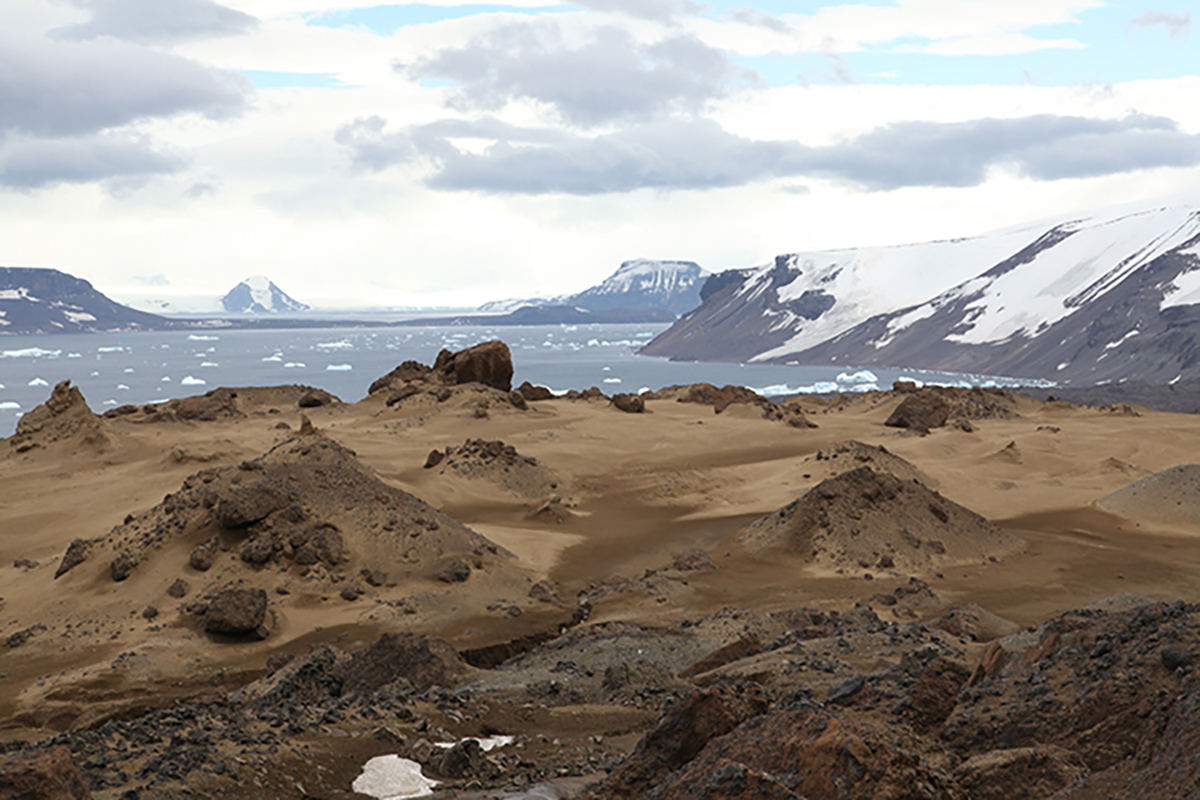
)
(1183, 291)
(393, 778)
(78, 316)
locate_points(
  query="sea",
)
(113, 369)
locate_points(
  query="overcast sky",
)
(442, 153)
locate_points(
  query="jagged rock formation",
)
(64, 418)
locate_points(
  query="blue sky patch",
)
(387, 19)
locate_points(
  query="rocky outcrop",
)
(1022, 772)
(629, 403)
(489, 364)
(49, 774)
(423, 661)
(920, 412)
(237, 612)
(64, 417)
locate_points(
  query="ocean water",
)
(139, 368)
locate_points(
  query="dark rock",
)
(22, 636)
(544, 592)
(247, 504)
(49, 774)
(434, 458)
(316, 398)
(843, 693)
(640, 674)
(735, 651)
(405, 373)
(349, 593)
(24, 563)
(237, 612)
(403, 393)
(424, 661)
(921, 411)
(693, 561)
(149, 612)
(464, 761)
(122, 566)
(1174, 658)
(518, 401)
(258, 550)
(934, 695)
(489, 363)
(456, 572)
(214, 405)
(1021, 772)
(77, 553)
(680, 735)
(534, 393)
(203, 556)
(178, 589)
(374, 577)
(629, 403)
(904, 387)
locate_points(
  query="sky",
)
(446, 154)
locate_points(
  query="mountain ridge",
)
(638, 284)
(37, 300)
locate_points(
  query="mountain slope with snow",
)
(640, 284)
(258, 295)
(37, 300)
(1109, 295)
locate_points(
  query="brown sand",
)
(635, 491)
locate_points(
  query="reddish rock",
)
(405, 373)
(821, 756)
(316, 398)
(214, 405)
(489, 363)
(735, 651)
(681, 734)
(934, 694)
(49, 774)
(423, 661)
(921, 411)
(1033, 772)
(434, 458)
(237, 612)
(534, 393)
(629, 403)
(248, 504)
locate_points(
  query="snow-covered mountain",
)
(637, 285)
(37, 300)
(1108, 295)
(258, 295)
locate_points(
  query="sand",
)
(607, 503)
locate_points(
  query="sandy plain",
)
(631, 492)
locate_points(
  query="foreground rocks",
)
(49, 774)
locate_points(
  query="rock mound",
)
(497, 462)
(850, 454)
(308, 502)
(225, 403)
(723, 397)
(64, 417)
(489, 364)
(1171, 497)
(423, 661)
(864, 520)
(49, 774)
(933, 406)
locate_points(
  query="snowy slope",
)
(636, 285)
(37, 300)
(1033, 301)
(258, 295)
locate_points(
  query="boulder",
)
(77, 553)
(247, 505)
(456, 572)
(693, 561)
(214, 405)
(316, 398)
(735, 651)
(489, 363)
(237, 612)
(1021, 772)
(974, 623)
(629, 403)
(49, 774)
(934, 695)
(534, 393)
(406, 372)
(122, 566)
(680, 735)
(544, 591)
(424, 661)
(920, 411)
(464, 761)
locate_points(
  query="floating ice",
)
(31, 352)
(129, 369)
(110, 349)
(110, 402)
(195, 337)
(38, 382)
(210, 364)
(294, 365)
(190, 381)
(338, 368)
(275, 357)
(862, 376)
(342, 345)
(166, 379)
(122, 387)
(95, 374)
(393, 778)
(8, 405)
(74, 355)
(612, 380)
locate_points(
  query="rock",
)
(922, 412)
(517, 400)
(1021, 772)
(424, 661)
(237, 612)
(816, 754)
(843, 693)
(629, 403)
(65, 416)
(975, 624)
(405, 373)
(489, 363)
(403, 393)
(248, 504)
(544, 591)
(149, 612)
(258, 550)
(306, 427)
(178, 589)
(534, 393)
(1174, 658)
(49, 774)
(374, 577)
(934, 695)
(904, 387)
(456, 572)
(203, 556)
(434, 458)
(77, 553)
(349, 593)
(989, 665)
(735, 651)
(316, 398)
(214, 405)
(680, 735)
(639, 674)
(693, 561)
(464, 761)
(122, 566)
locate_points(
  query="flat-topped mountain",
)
(37, 300)
(1105, 296)
(258, 295)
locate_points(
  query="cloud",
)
(156, 21)
(607, 78)
(67, 88)
(152, 280)
(27, 163)
(699, 154)
(1178, 25)
(656, 10)
(759, 19)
